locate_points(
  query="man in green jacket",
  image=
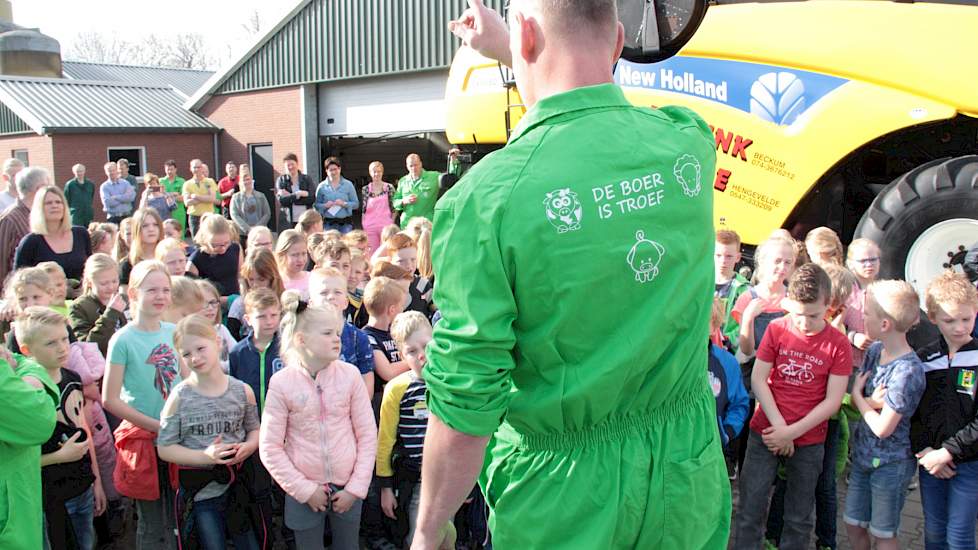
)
(173, 185)
(80, 192)
(27, 419)
(575, 280)
(416, 192)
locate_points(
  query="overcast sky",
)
(218, 20)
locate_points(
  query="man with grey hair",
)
(15, 221)
(80, 193)
(590, 419)
(8, 190)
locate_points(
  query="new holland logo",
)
(778, 98)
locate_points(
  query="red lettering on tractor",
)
(724, 139)
(723, 176)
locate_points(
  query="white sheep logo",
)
(687, 171)
(564, 210)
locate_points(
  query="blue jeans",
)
(81, 512)
(950, 507)
(208, 520)
(343, 228)
(876, 496)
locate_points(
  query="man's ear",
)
(619, 42)
(531, 37)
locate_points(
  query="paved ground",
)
(911, 525)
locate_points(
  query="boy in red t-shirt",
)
(799, 379)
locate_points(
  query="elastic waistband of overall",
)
(615, 428)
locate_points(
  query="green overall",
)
(575, 280)
(425, 188)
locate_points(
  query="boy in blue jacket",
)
(256, 358)
(733, 403)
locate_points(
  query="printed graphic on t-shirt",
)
(214, 423)
(688, 173)
(165, 361)
(70, 408)
(387, 346)
(564, 210)
(644, 258)
(966, 382)
(798, 370)
(715, 384)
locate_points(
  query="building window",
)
(21, 155)
(135, 155)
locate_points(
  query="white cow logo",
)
(564, 210)
(688, 171)
(644, 258)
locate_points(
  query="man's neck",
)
(379, 323)
(561, 73)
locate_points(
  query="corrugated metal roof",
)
(10, 123)
(186, 81)
(326, 40)
(51, 105)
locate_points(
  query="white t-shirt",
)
(6, 199)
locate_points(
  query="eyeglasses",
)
(867, 261)
(212, 303)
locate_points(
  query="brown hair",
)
(138, 217)
(380, 294)
(842, 281)
(400, 241)
(823, 238)
(950, 288)
(726, 236)
(260, 262)
(386, 269)
(809, 284)
(261, 298)
(307, 220)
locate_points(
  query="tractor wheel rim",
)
(940, 247)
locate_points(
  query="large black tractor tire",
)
(941, 193)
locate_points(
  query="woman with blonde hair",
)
(147, 232)
(52, 237)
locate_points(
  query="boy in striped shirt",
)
(403, 422)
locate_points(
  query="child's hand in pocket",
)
(388, 502)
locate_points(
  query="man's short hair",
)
(290, 156)
(122, 162)
(231, 163)
(950, 288)
(170, 162)
(77, 167)
(413, 156)
(577, 15)
(12, 165)
(32, 319)
(726, 236)
(31, 179)
(196, 161)
(406, 324)
(333, 160)
(809, 284)
(108, 164)
(380, 294)
(896, 301)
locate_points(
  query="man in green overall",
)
(575, 280)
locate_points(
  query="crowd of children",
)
(267, 389)
(839, 372)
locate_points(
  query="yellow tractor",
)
(858, 115)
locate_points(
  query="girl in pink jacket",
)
(318, 438)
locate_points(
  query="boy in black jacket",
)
(944, 429)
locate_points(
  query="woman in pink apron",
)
(378, 211)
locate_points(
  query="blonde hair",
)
(53, 269)
(143, 269)
(98, 233)
(842, 283)
(406, 324)
(24, 277)
(307, 220)
(32, 319)
(320, 273)
(293, 322)
(896, 301)
(185, 294)
(259, 299)
(312, 245)
(332, 235)
(38, 223)
(212, 224)
(950, 288)
(768, 247)
(824, 239)
(355, 238)
(255, 232)
(207, 287)
(859, 244)
(194, 325)
(425, 268)
(260, 262)
(149, 178)
(95, 264)
(121, 249)
(138, 218)
(380, 294)
(168, 245)
(286, 240)
(389, 231)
